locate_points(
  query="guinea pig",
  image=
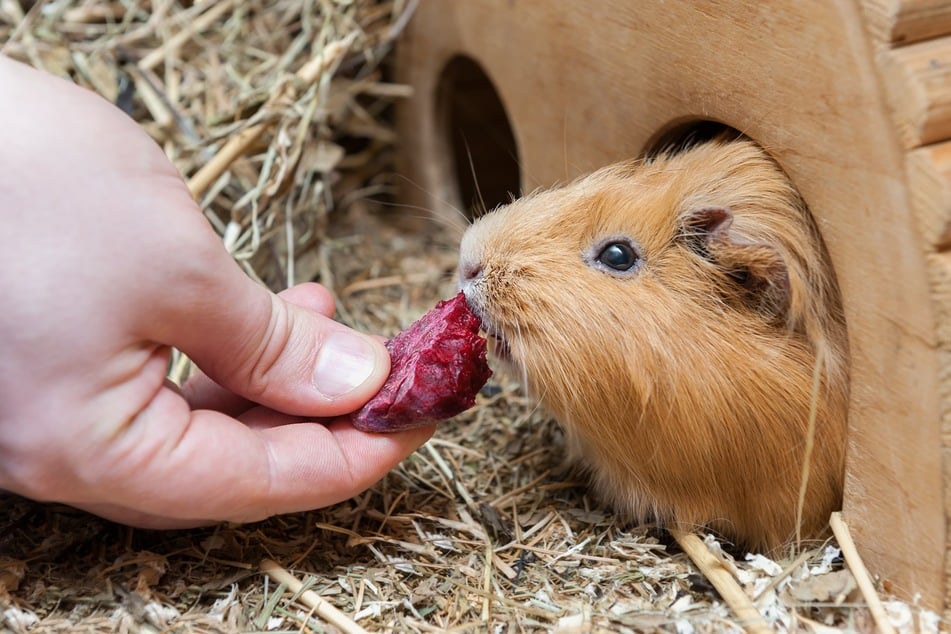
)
(679, 317)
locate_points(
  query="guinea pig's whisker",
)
(442, 220)
(457, 212)
(519, 342)
(480, 208)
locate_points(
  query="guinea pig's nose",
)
(469, 270)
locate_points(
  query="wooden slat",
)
(897, 22)
(918, 81)
(929, 177)
(939, 268)
(917, 78)
(947, 487)
(939, 265)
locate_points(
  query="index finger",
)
(199, 466)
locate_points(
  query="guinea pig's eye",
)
(618, 256)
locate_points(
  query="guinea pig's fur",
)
(684, 382)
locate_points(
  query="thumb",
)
(284, 355)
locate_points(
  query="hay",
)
(484, 528)
(308, 74)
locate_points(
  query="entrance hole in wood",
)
(682, 135)
(479, 138)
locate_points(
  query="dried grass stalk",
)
(310, 598)
(842, 534)
(723, 580)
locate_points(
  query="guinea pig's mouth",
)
(498, 344)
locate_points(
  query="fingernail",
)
(344, 362)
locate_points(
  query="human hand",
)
(105, 263)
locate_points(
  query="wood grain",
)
(918, 83)
(929, 180)
(896, 22)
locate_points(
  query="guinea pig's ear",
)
(757, 272)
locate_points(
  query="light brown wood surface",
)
(819, 84)
(918, 83)
(929, 182)
(905, 21)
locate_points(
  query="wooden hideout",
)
(852, 97)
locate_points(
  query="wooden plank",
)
(898, 22)
(586, 84)
(940, 269)
(929, 178)
(918, 83)
(947, 487)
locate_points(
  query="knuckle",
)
(262, 357)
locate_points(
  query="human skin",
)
(106, 263)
